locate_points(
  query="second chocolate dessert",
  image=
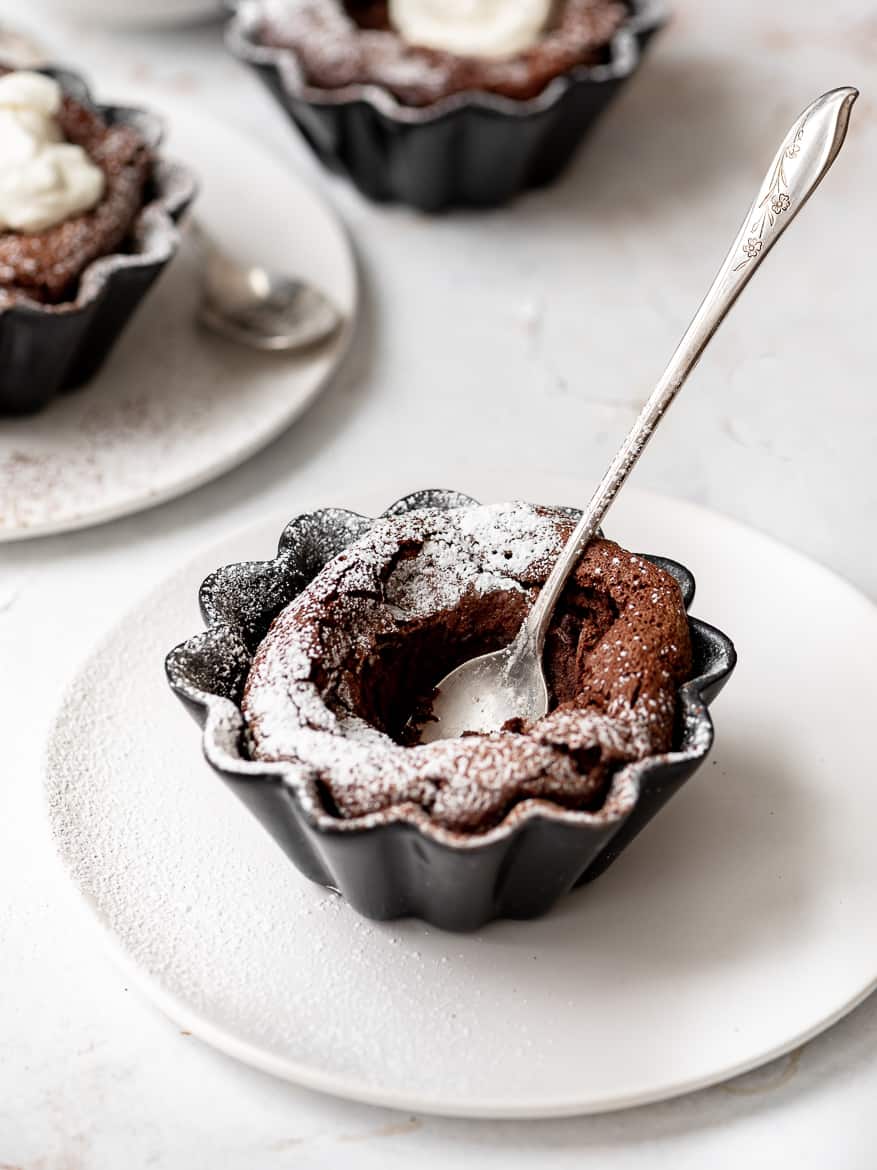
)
(442, 103)
(355, 43)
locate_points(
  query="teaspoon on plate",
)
(259, 307)
(486, 692)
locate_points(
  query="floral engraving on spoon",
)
(775, 201)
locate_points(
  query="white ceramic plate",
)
(741, 923)
(142, 13)
(175, 406)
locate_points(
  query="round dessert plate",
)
(740, 924)
(175, 406)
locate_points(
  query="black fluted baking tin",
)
(473, 149)
(391, 865)
(46, 349)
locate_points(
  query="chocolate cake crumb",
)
(335, 681)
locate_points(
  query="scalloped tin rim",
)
(223, 724)
(648, 15)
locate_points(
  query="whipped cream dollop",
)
(471, 28)
(43, 179)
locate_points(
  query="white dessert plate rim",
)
(103, 859)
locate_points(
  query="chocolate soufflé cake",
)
(45, 266)
(345, 670)
(341, 43)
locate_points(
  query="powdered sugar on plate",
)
(718, 902)
(174, 406)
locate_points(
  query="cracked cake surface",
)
(344, 667)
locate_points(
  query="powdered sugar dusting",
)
(301, 700)
(337, 49)
(335, 52)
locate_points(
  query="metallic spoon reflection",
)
(259, 308)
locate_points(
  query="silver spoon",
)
(482, 694)
(257, 307)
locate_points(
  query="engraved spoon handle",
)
(807, 152)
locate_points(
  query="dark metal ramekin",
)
(395, 863)
(46, 349)
(472, 149)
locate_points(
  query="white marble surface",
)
(527, 335)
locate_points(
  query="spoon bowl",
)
(260, 308)
(485, 693)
